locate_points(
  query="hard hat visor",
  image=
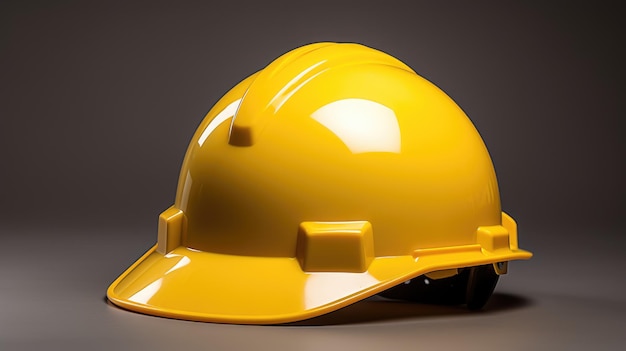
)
(204, 286)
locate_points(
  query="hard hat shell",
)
(331, 175)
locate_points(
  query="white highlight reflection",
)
(280, 98)
(226, 113)
(145, 294)
(363, 125)
(184, 260)
(322, 288)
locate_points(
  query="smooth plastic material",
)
(331, 175)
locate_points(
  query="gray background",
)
(98, 101)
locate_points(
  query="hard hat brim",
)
(204, 286)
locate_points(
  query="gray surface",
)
(98, 101)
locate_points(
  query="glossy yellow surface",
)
(333, 174)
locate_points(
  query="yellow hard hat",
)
(333, 174)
